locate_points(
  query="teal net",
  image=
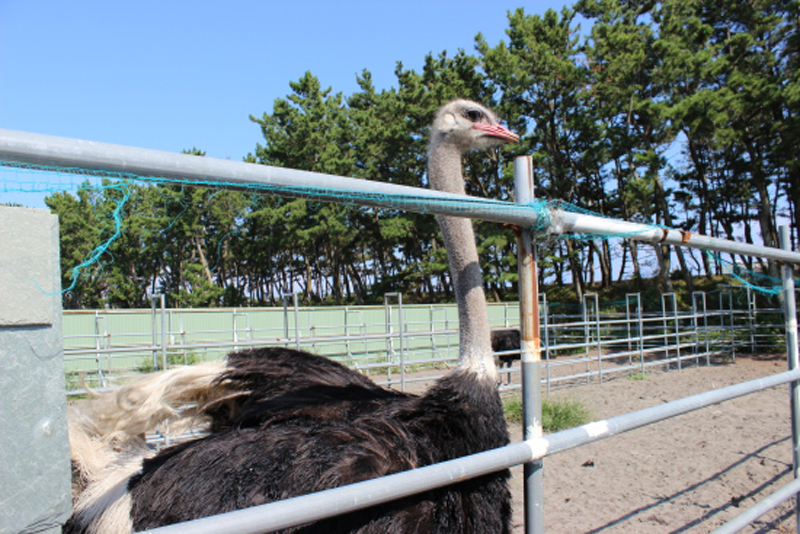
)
(761, 282)
(27, 178)
(418, 203)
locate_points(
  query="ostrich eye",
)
(473, 114)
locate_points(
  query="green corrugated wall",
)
(142, 328)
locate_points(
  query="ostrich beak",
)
(495, 130)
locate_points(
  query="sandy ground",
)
(689, 474)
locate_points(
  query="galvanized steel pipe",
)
(48, 150)
(531, 349)
(790, 318)
(760, 508)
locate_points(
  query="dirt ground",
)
(689, 474)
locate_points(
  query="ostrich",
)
(506, 340)
(285, 423)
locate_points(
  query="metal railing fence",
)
(392, 341)
(40, 151)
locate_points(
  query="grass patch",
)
(512, 409)
(557, 414)
(638, 376)
(173, 359)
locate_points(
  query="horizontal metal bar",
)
(760, 508)
(636, 366)
(581, 223)
(256, 342)
(299, 510)
(48, 150)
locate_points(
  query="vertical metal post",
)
(234, 330)
(434, 347)
(733, 324)
(585, 322)
(153, 329)
(750, 322)
(183, 338)
(296, 305)
(348, 352)
(639, 327)
(400, 329)
(163, 331)
(664, 298)
(640, 321)
(545, 326)
(696, 331)
(599, 338)
(706, 337)
(598, 342)
(286, 319)
(389, 347)
(677, 330)
(98, 346)
(628, 327)
(296, 314)
(387, 316)
(530, 347)
(790, 318)
(160, 297)
(664, 338)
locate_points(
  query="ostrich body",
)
(286, 423)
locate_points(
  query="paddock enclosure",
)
(597, 345)
(582, 340)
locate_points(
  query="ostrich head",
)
(467, 125)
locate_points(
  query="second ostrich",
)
(286, 423)
(507, 341)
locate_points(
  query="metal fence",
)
(596, 348)
(582, 341)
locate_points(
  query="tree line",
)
(682, 113)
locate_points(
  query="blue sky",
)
(173, 75)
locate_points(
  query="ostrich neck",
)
(475, 348)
